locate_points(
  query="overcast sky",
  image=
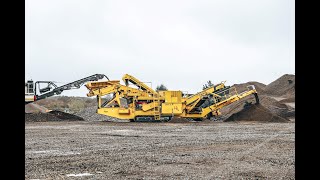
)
(181, 43)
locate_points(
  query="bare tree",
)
(161, 87)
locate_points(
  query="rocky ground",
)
(109, 150)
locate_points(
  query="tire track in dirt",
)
(229, 166)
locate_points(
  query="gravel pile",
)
(237, 106)
(243, 87)
(256, 113)
(283, 86)
(51, 116)
(40, 117)
(276, 107)
(274, 97)
(66, 116)
(90, 114)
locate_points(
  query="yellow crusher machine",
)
(143, 103)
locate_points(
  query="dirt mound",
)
(40, 117)
(51, 116)
(268, 101)
(290, 93)
(178, 120)
(283, 86)
(276, 107)
(237, 106)
(66, 116)
(90, 114)
(243, 87)
(35, 108)
(256, 113)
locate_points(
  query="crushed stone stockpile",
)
(65, 116)
(51, 116)
(268, 101)
(283, 86)
(237, 106)
(276, 107)
(256, 113)
(90, 114)
(243, 87)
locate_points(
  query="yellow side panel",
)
(173, 96)
(169, 108)
(167, 96)
(114, 112)
(124, 111)
(174, 99)
(146, 107)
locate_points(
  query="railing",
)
(156, 108)
(226, 94)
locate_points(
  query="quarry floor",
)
(109, 150)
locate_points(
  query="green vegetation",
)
(161, 87)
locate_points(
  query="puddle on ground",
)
(79, 175)
(54, 152)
